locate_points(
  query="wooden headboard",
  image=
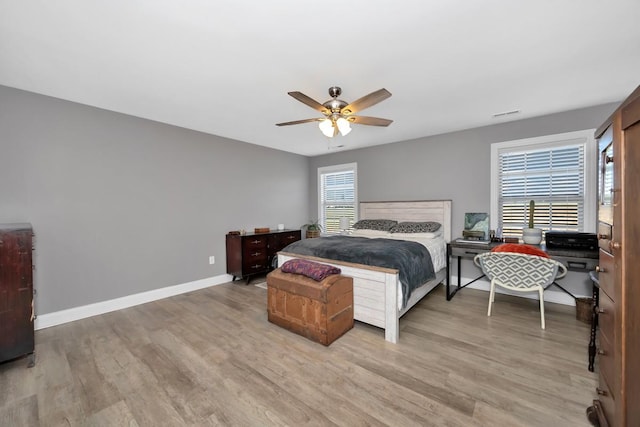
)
(416, 210)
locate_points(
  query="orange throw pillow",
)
(520, 249)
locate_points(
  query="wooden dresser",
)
(252, 253)
(16, 292)
(618, 401)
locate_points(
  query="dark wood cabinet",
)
(618, 310)
(253, 253)
(16, 292)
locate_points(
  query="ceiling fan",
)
(338, 114)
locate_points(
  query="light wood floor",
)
(211, 358)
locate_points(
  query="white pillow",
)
(408, 236)
(369, 233)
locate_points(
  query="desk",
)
(575, 260)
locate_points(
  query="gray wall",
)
(453, 166)
(122, 205)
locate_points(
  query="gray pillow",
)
(416, 227)
(375, 224)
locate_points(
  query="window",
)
(558, 172)
(337, 195)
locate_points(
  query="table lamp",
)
(344, 224)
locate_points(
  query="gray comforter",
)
(411, 259)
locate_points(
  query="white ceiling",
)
(224, 67)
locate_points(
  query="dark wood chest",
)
(618, 402)
(16, 291)
(253, 253)
(321, 311)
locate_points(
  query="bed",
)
(377, 290)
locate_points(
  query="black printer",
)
(571, 240)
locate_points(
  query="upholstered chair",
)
(519, 272)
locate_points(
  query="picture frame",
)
(476, 226)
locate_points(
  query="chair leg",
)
(492, 293)
(542, 308)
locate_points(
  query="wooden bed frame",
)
(375, 289)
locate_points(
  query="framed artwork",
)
(476, 225)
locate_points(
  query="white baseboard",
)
(550, 295)
(82, 312)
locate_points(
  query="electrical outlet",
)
(212, 260)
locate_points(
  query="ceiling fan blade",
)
(309, 101)
(366, 101)
(371, 121)
(297, 122)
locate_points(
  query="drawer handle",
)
(256, 266)
(256, 241)
(601, 392)
(256, 253)
(600, 310)
(608, 159)
(600, 269)
(577, 265)
(601, 352)
(614, 245)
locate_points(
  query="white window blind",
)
(553, 178)
(337, 196)
(554, 172)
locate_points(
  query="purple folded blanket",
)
(313, 270)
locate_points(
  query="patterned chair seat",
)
(519, 272)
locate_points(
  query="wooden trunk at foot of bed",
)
(321, 311)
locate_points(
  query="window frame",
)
(346, 167)
(584, 137)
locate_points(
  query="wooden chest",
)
(321, 311)
(16, 292)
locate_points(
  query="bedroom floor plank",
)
(210, 357)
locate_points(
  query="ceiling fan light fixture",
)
(338, 114)
(343, 126)
(326, 126)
